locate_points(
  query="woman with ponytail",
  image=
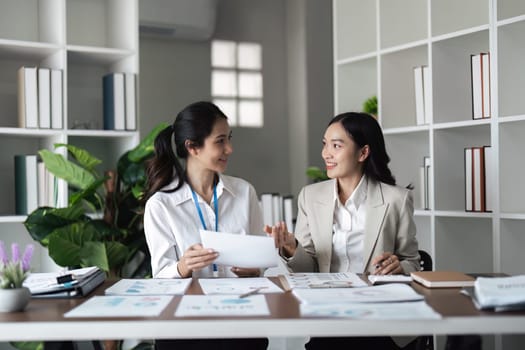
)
(187, 191)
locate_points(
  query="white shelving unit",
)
(376, 46)
(86, 39)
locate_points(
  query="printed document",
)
(241, 250)
(222, 305)
(151, 286)
(500, 291)
(324, 280)
(372, 311)
(394, 292)
(121, 306)
(237, 285)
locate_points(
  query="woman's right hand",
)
(284, 240)
(195, 258)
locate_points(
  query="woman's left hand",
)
(387, 264)
(241, 272)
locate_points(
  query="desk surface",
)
(43, 320)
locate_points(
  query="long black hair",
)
(194, 123)
(365, 130)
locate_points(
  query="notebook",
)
(443, 279)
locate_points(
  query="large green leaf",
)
(83, 157)
(64, 169)
(89, 194)
(43, 221)
(94, 254)
(117, 254)
(131, 173)
(146, 146)
(66, 243)
(29, 345)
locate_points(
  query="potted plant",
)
(370, 106)
(102, 224)
(316, 174)
(13, 271)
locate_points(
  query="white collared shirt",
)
(349, 230)
(172, 223)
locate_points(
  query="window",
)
(237, 83)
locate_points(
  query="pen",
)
(252, 292)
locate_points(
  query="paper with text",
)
(372, 311)
(152, 286)
(237, 285)
(222, 305)
(121, 306)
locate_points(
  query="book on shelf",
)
(27, 97)
(480, 82)
(475, 179)
(26, 184)
(424, 184)
(56, 99)
(44, 98)
(489, 176)
(131, 103)
(423, 94)
(419, 95)
(442, 279)
(72, 283)
(288, 212)
(114, 101)
(275, 208)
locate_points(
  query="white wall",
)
(297, 70)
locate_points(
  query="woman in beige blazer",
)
(358, 221)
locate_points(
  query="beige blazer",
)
(389, 227)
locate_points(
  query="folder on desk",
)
(443, 279)
(80, 282)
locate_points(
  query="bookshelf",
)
(85, 39)
(376, 46)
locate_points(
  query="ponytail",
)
(164, 166)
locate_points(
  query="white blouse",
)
(172, 223)
(349, 230)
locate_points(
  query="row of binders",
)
(275, 208)
(35, 186)
(40, 98)
(478, 177)
(119, 101)
(480, 81)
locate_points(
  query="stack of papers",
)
(71, 283)
(382, 279)
(500, 293)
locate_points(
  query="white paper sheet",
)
(238, 250)
(121, 306)
(383, 311)
(152, 286)
(377, 294)
(237, 285)
(222, 305)
(324, 280)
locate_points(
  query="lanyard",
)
(216, 208)
(215, 205)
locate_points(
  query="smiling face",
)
(217, 147)
(342, 156)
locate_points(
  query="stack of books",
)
(480, 75)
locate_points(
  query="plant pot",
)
(12, 300)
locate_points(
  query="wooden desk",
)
(43, 320)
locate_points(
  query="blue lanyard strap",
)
(215, 205)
